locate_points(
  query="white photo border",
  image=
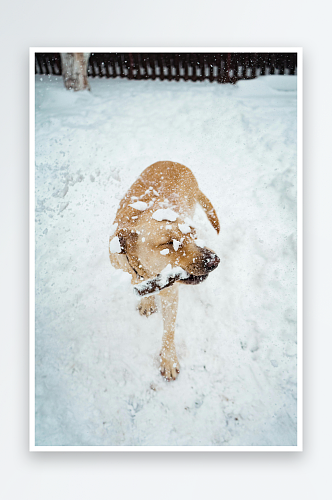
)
(299, 446)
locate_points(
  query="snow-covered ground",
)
(97, 378)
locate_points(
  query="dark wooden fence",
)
(215, 67)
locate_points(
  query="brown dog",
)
(154, 240)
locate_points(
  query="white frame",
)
(299, 446)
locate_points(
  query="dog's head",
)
(150, 245)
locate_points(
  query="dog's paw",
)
(147, 306)
(169, 365)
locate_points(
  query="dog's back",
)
(159, 179)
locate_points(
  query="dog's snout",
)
(211, 261)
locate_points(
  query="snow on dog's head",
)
(184, 228)
(139, 205)
(114, 245)
(176, 245)
(165, 214)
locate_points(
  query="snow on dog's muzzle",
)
(167, 277)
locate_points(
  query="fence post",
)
(185, 64)
(145, 65)
(153, 65)
(131, 67)
(253, 65)
(233, 65)
(177, 67)
(227, 66)
(271, 64)
(261, 63)
(291, 63)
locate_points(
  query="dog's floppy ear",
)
(122, 239)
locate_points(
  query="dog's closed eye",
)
(166, 243)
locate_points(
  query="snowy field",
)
(97, 378)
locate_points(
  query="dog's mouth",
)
(166, 278)
(194, 280)
(210, 262)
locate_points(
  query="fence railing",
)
(215, 67)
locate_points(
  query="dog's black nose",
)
(211, 261)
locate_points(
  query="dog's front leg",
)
(169, 365)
